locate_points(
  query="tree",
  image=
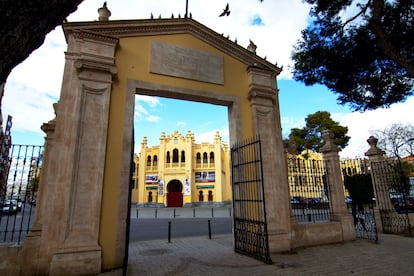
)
(310, 136)
(361, 50)
(24, 25)
(396, 139)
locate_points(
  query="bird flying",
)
(226, 11)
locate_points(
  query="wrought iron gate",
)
(358, 184)
(249, 212)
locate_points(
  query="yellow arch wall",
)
(133, 62)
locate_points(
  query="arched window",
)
(168, 157)
(205, 160)
(198, 158)
(182, 156)
(155, 162)
(148, 161)
(211, 157)
(175, 156)
(200, 196)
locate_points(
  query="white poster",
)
(187, 187)
(161, 188)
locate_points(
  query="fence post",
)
(381, 192)
(335, 183)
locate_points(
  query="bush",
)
(360, 188)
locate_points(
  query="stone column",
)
(337, 204)
(264, 101)
(377, 164)
(75, 164)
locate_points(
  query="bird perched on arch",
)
(226, 11)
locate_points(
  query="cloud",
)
(360, 124)
(142, 114)
(209, 136)
(181, 123)
(149, 100)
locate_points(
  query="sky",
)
(274, 26)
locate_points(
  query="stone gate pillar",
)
(264, 102)
(70, 211)
(335, 183)
(378, 165)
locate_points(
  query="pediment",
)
(148, 27)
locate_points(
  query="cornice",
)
(145, 27)
(84, 34)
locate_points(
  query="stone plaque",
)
(172, 60)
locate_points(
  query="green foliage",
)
(310, 136)
(360, 188)
(362, 52)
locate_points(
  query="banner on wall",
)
(203, 177)
(161, 188)
(151, 179)
(187, 187)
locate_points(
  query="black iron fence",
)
(308, 189)
(394, 201)
(19, 182)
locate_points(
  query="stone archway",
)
(175, 193)
(88, 145)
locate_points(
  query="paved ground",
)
(392, 255)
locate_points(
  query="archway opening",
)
(175, 173)
(174, 193)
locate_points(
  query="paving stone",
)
(392, 255)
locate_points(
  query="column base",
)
(279, 242)
(76, 261)
(35, 261)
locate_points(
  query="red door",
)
(174, 199)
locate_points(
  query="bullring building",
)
(180, 173)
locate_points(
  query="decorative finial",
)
(373, 149)
(104, 13)
(329, 145)
(252, 47)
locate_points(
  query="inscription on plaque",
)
(172, 60)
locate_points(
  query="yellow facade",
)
(178, 172)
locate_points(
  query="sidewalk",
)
(392, 255)
(194, 212)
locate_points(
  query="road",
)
(13, 228)
(151, 229)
